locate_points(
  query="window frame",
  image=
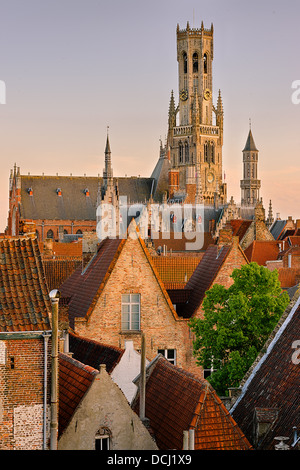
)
(165, 353)
(130, 321)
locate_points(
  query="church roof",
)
(73, 203)
(250, 144)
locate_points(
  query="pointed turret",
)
(172, 112)
(250, 144)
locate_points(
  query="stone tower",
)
(250, 185)
(195, 127)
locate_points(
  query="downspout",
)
(54, 296)
(143, 379)
(46, 337)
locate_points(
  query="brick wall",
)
(21, 393)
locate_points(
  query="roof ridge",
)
(91, 370)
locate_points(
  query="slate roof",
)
(24, 299)
(73, 204)
(277, 228)
(177, 401)
(84, 287)
(274, 381)
(74, 381)
(94, 353)
(250, 144)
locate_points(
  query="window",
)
(205, 63)
(169, 354)
(50, 234)
(131, 311)
(102, 439)
(186, 150)
(180, 145)
(195, 62)
(184, 62)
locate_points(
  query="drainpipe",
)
(143, 378)
(46, 338)
(54, 296)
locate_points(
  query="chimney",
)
(225, 236)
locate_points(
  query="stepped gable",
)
(24, 299)
(177, 401)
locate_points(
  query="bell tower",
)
(250, 184)
(195, 133)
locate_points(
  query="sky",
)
(73, 67)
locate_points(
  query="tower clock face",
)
(183, 95)
(207, 94)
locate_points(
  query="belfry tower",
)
(195, 127)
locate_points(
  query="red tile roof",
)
(75, 379)
(240, 227)
(262, 251)
(24, 299)
(274, 381)
(94, 353)
(177, 401)
(175, 270)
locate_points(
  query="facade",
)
(120, 295)
(94, 413)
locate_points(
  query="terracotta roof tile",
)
(262, 251)
(24, 299)
(75, 379)
(94, 353)
(176, 401)
(240, 227)
(177, 269)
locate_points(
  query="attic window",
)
(30, 192)
(58, 191)
(102, 439)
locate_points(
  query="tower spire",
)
(107, 172)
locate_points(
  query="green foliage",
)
(236, 323)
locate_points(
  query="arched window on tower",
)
(212, 152)
(205, 63)
(103, 439)
(206, 152)
(184, 55)
(187, 152)
(195, 62)
(180, 146)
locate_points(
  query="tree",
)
(236, 323)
